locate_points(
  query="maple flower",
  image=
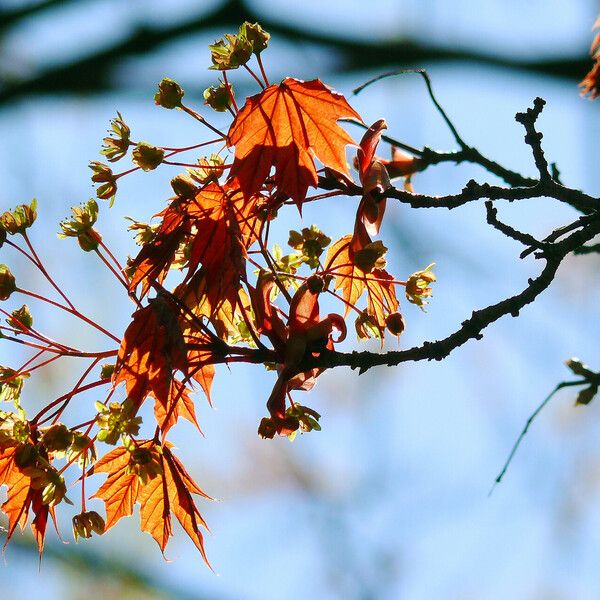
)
(11, 384)
(81, 226)
(417, 286)
(20, 219)
(115, 148)
(87, 522)
(169, 94)
(218, 98)
(103, 174)
(148, 157)
(21, 318)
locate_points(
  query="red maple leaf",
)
(286, 126)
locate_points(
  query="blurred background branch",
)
(93, 72)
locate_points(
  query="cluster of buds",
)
(33, 462)
(116, 420)
(236, 50)
(81, 226)
(86, 523)
(417, 286)
(19, 219)
(115, 148)
(310, 243)
(103, 175)
(145, 462)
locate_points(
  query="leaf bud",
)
(218, 98)
(20, 219)
(148, 157)
(86, 523)
(7, 282)
(169, 94)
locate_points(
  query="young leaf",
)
(285, 127)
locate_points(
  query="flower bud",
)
(87, 522)
(7, 283)
(256, 35)
(169, 94)
(148, 157)
(21, 318)
(395, 323)
(19, 219)
(218, 98)
(231, 53)
(184, 186)
(26, 456)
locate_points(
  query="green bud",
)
(87, 522)
(231, 53)
(81, 226)
(169, 94)
(208, 169)
(21, 319)
(106, 371)
(147, 156)
(256, 35)
(219, 98)
(184, 186)
(7, 283)
(26, 455)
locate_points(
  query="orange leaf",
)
(167, 490)
(154, 259)
(119, 491)
(284, 127)
(348, 276)
(151, 350)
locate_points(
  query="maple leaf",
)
(353, 279)
(23, 495)
(154, 259)
(151, 350)
(285, 127)
(165, 489)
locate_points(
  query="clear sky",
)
(390, 500)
